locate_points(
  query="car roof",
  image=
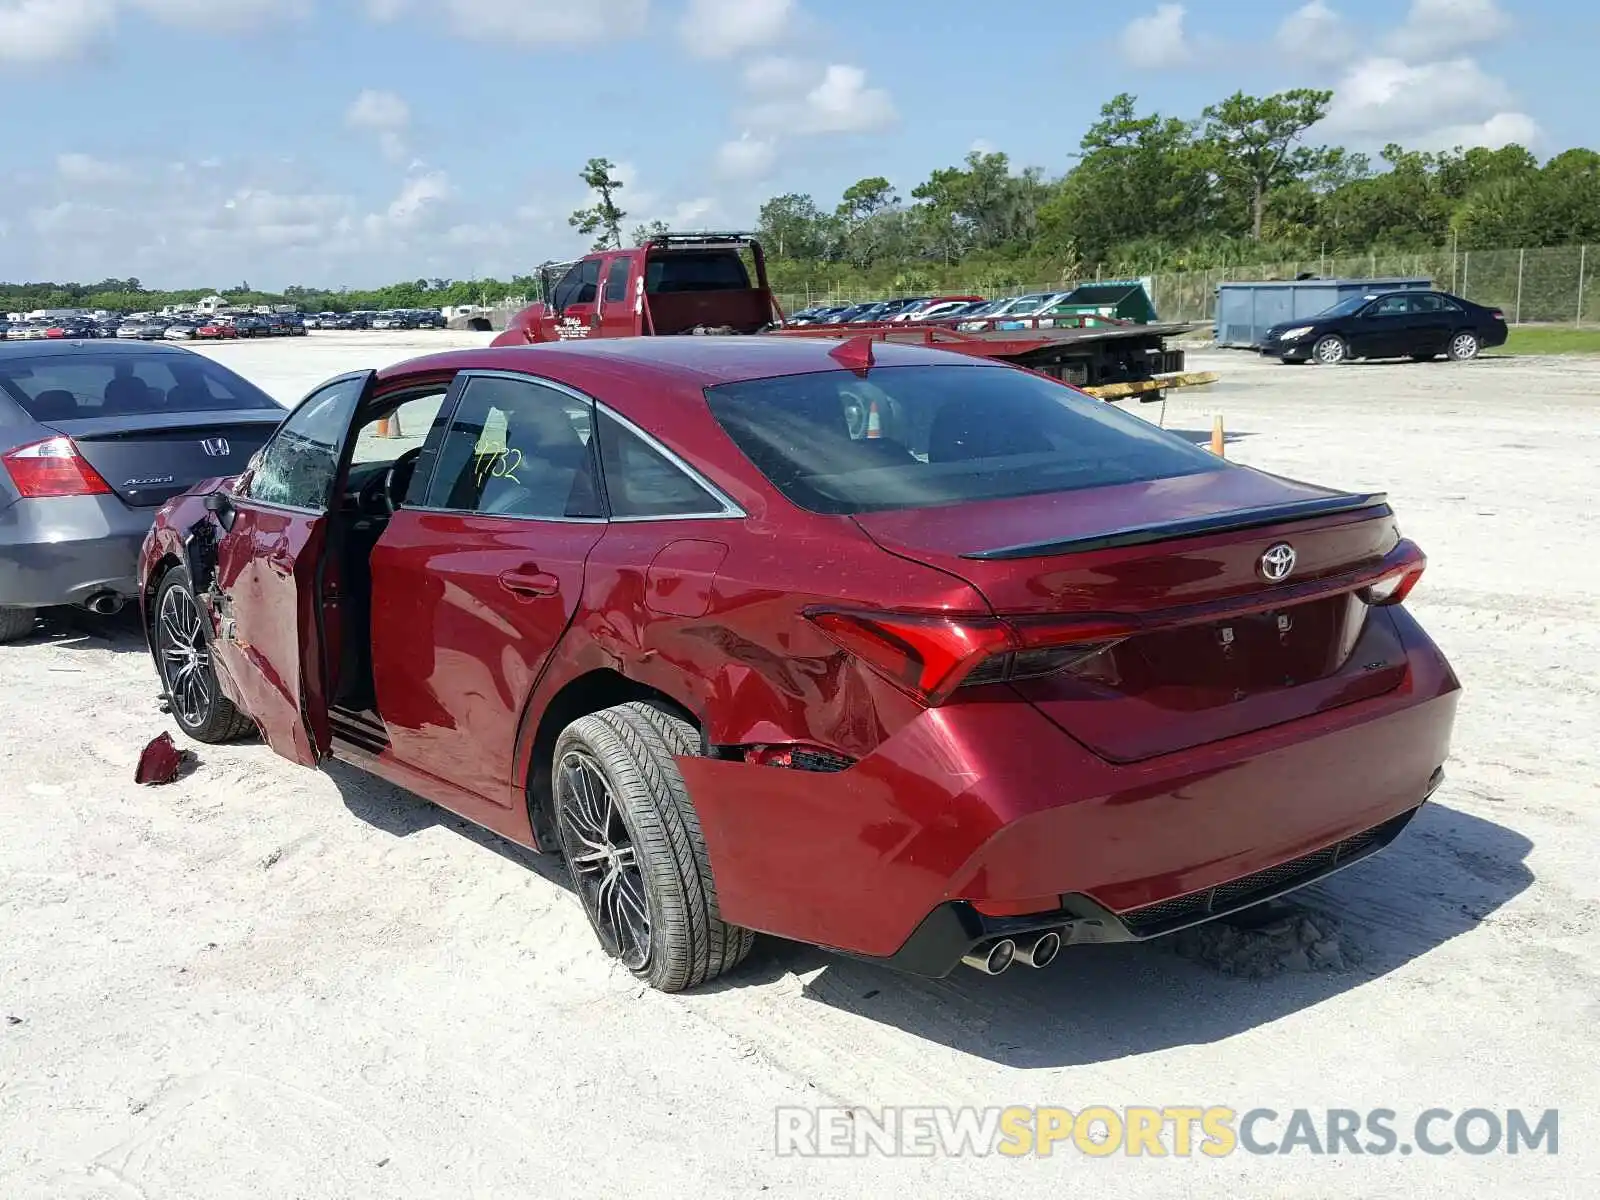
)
(693, 361)
(68, 346)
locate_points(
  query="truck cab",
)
(703, 283)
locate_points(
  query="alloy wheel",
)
(1330, 351)
(1464, 346)
(185, 657)
(600, 851)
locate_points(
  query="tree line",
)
(1244, 182)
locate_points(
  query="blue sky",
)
(333, 142)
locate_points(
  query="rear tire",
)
(1464, 347)
(182, 650)
(631, 839)
(1330, 351)
(15, 624)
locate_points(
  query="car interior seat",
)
(126, 392)
(963, 430)
(56, 404)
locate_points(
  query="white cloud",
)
(1158, 40)
(721, 28)
(1382, 98)
(1502, 129)
(775, 76)
(86, 169)
(837, 100)
(547, 22)
(385, 114)
(384, 11)
(746, 157)
(1436, 29)
(983, 146)
(233, 16)
(44, 31)
(1315, 33)
(418, 196)
(378, 110)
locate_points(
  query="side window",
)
(298, 465)
(617, 280)
(384, 439)
(566, 289)
(517, 448)
(588, 282)
(642, 482)
(1427, 302)
(1391, 306)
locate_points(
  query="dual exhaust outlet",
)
(1035, 950)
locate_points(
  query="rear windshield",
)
(695, 271)
(916, 437)
(70, 387)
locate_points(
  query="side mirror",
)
(220, 505)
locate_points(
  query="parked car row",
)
(389, 318)
(908, 308)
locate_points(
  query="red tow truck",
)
(716, 284)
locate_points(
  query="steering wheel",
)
(397, 479)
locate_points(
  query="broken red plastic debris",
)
(160, 761)
(855, 353)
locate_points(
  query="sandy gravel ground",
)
(271, 982)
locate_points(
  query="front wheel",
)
(1330, 351)
(183, 658)
(1464, 347)
(632, 842)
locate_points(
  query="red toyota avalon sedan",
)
(911, 655)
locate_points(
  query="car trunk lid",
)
(148, 458)
(1200, 644)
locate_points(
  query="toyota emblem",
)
(1277, 562)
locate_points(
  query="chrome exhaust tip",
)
(104, 604)
(1041, 951)
(993, 957)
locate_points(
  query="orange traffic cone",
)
(389, 427)
(874, 423)
(1217, 447)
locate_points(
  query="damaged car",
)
(998, 670)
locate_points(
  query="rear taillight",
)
(53, 467)
(931, 656)
(1396, 585)
(1392, 589)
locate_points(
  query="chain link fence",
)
(1552, 285)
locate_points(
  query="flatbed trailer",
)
(1112, 359)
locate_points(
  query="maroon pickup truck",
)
(677, 283)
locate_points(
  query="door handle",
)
(528, 582)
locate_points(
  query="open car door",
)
(275, 601)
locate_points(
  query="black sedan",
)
(1420, 325)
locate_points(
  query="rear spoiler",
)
(1371, 504)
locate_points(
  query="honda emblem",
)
(216, 447)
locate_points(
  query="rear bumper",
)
(956, 928)
(990, 807)
(64, 550)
